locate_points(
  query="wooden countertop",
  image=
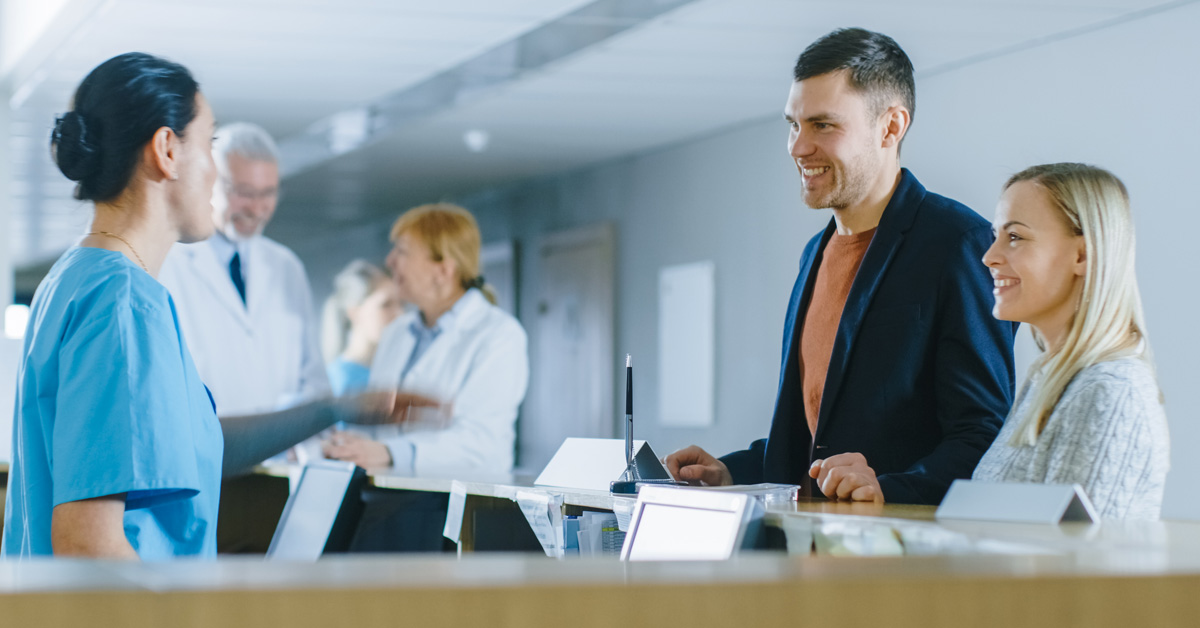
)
(753, 590)
(949, 574)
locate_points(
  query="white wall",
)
(730, 198)
(1123, 98)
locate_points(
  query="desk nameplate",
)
(1016, 502)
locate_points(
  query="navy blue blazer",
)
(921, 375)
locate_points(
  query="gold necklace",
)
(131, 249)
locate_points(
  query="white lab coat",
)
(480, 363)
(257, 357)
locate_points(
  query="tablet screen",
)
(310, 512)
(669, 532)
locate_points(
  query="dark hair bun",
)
(75, 147)
(117, 108)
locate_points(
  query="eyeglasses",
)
(251, 194)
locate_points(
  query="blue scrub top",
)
(108, 401)
(347, 377)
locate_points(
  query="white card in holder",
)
(593, 463)
(1016, 502)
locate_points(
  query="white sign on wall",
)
(686, 313)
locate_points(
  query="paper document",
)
(599, 534)
(853, 538)
(623, 509)
(544, 514)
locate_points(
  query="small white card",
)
(594, 463)
(454, 512)
(1016, 502)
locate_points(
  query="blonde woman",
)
(363, 303)
(454, 342)
(1090, 411)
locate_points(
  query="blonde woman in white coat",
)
(454, 344)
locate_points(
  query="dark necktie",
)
(235, 273)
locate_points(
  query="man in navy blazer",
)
(920, 375)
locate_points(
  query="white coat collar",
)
(202, 259)
(465, 311)
(225, 248)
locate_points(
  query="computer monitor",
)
(321, 513)
(691, 524)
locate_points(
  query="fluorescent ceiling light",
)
(349, 129)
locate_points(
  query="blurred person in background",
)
(455, 344)
(244, 300)
(364, 301)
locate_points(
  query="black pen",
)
(629, 416)
(631, 480)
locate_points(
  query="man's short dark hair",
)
(877, 66)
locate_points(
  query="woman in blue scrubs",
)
(117, 449)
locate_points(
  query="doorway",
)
(571, 348)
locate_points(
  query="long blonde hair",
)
(350, 288)
(1108, 323)
(450, 232)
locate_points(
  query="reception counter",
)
(1099, 590)
(845, 564)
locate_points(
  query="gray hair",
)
(350, 288)
(246, 140)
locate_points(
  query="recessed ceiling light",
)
(349, 129)
(476, 140)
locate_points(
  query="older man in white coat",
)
(244, 300)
